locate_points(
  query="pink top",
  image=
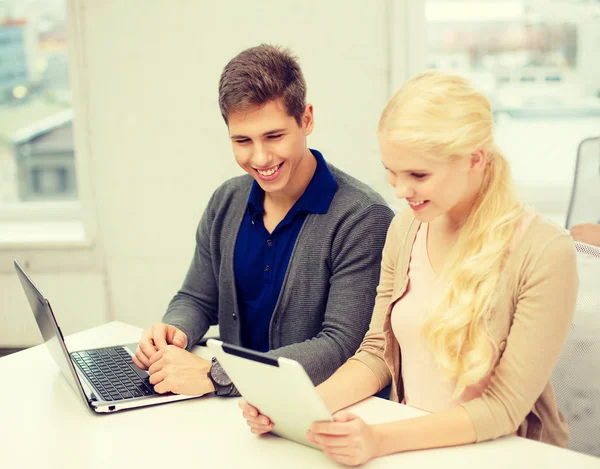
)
(425, 387)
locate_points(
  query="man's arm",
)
(195, 306)
(355, 274)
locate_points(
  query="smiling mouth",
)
(269, 171)
(416, 204)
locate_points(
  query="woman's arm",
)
(351, 289)
(450, 427)
(351, 441)
(365, 373)
(351, 383)
(542, 318)
(544, 311)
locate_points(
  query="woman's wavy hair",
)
(444, 116)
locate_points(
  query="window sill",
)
(42, 235)
(48, 247)
(42, 225)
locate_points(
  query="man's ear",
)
(308, 119)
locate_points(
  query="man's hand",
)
(588, 233)
(156, 338)
(173, 369)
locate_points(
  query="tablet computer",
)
(278, 387)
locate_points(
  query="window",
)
(36, 141)
(538, 62)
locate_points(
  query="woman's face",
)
(433, 188)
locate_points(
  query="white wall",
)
(78, 300)
(542, 154)
(155, 146)
(152, 146)
(159, 146)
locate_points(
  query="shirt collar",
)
(316, 198)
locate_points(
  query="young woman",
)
(475, 298)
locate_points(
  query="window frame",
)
(67, 229)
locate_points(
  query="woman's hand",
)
(347, 440)
(257, 422)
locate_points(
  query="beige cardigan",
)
(529, 327)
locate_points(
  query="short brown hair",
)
(259, 75)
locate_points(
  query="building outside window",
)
(36, 142)
(539, 62)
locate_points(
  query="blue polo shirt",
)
(261, 258)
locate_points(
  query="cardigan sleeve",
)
(195, 306)
(544, 311)
(350, 298)
(370, 352)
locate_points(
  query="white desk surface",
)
(43, 424)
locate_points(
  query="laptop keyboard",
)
(111, 372)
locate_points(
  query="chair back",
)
(576, 378)
(584, 206)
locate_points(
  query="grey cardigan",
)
(328, 292)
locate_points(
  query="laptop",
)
(105, 378)
(278, 387)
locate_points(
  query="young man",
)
(287, 257)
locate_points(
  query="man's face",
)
(269, 144)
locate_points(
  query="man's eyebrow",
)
(266, 134)
(272, 132)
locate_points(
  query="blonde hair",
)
(444, 117)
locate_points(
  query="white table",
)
(43, 424)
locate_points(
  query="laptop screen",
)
(49, 329)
